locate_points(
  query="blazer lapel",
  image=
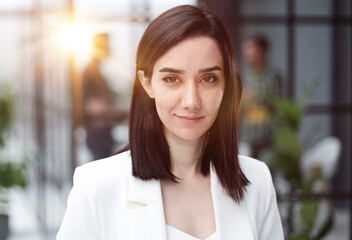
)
(145, 210)
(231, 218)
(146, 213)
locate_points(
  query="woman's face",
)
(188, 85)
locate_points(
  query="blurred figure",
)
(261, 82)
(100, 113)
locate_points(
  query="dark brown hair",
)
(148, 145)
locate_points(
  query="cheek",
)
(164, 103)
(213, 103)
(218, 101)
(219, 98)
(219, 95)
(160, 105)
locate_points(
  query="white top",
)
(175, 234)
(107, 203)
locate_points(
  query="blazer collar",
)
(231, 218)
(144, 192)
(146, 212)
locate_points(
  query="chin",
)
(189, 136)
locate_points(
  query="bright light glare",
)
(75, 36)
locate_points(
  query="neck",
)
(185, 156)
(95, 61)
(259, 67)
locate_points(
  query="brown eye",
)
(171, 80)
(209, 79)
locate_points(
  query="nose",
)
(190, 97)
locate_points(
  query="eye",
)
(209, 79)
(171, 79)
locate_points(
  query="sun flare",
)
(75, 36)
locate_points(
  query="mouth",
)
(189, 119)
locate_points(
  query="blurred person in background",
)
(99, 106)
(261, 83)
(180, 177)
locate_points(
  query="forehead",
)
(250, 43)
(192, 52)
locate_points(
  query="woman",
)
(181, 177)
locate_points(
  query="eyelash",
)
(206, 79)
(168, 79)
(209, 77)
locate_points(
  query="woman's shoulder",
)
(121, 160)
(255, 171)
(107, 169)
(249, 163)
(260, 198)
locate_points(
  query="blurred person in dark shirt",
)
(100, 111)
(261, 83)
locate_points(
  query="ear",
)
(146, 83)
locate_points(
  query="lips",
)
(189, 119)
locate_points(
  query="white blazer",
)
(108, 203)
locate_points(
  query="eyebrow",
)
(172, 70)
(216, 68)
(204, 70)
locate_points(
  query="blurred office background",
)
(46, 45)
